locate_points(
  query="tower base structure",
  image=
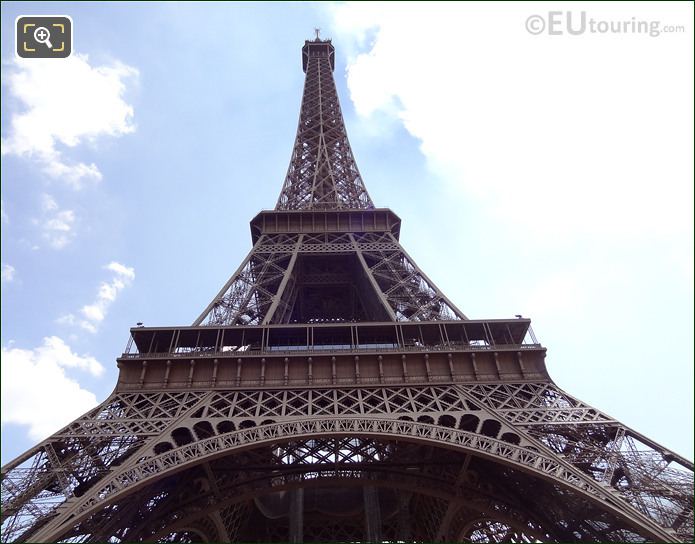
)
(429, 431)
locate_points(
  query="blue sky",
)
(543, 175)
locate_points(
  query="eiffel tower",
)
(330, 392)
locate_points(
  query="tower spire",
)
(322, 173)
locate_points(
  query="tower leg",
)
(403, 517)
(297, 515)
(372, 514)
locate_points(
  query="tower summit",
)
(322, 173)
(331, 392)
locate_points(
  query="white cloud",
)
(564, 129)
(7, 273)
(66, 103)
(36, 390)
(93, 314)
(67, 319)
(73, 174)
(121, 270)
(56, 224)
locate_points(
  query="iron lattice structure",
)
(330, 392)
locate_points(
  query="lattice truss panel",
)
(263, 290)
(518, 431)
(409, 293)
(322, 172)
(248, 295)
(210, 501)
(500, 525)
(79, 455)
(643, 473)
(321, 531)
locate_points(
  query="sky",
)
(540, 167)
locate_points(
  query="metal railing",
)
(322, 350)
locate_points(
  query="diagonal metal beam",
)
(283, 284)
(226, 286)
(368, 273)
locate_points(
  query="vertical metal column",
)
(403, 517)
(297, 515)
(372, 514)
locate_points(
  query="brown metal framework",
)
(323, 173)
(330, 392)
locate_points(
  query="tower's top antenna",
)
(318, 32)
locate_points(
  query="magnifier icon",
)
(42, 35)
